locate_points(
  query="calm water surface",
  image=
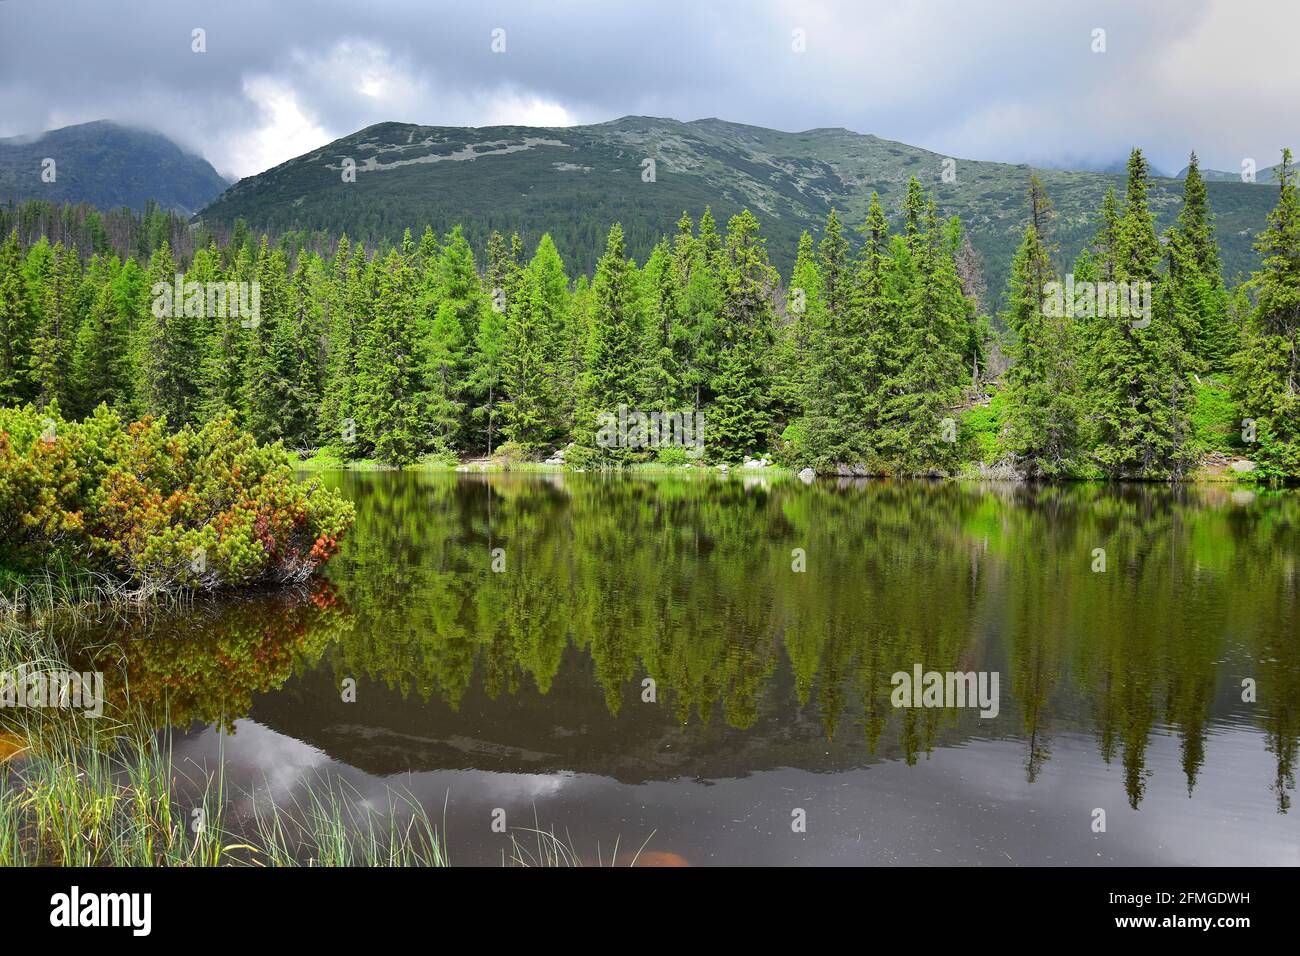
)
(525, 689)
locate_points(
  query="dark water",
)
(1120, 690)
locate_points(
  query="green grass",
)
(326, 461)
(76, 791)
(980, 429)
(1216, 419)
(544, 848)
(503, 466)
(73, 799)
(107, 792)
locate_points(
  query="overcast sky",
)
(1015, 80)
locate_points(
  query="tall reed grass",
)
(76, 791)
(116, 798)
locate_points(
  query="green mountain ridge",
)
(1267, 176)
(575, 181)
(107, 165)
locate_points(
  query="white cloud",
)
(514, 109)
(283, 130)
(1012, 81)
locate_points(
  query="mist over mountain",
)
(1266, 176)
(107, 165)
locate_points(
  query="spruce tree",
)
(273, 404)
(347, 312)
(304, 335)
(485, 374)
(388, 380)
(1139, 396)
(710, 243)
(500, 283)
(1267, 373)
(739, 419)
(461, 308)
(1107, 238)
(609, 383)
(917, 418)
(794, 373)
(1200, 292)
(549, 300)
(663, 353)
(1042, 428)
(167, 346)
(55, 338)
(225, 343)
(837, 431)
(879, 300)
(914, 205)
(102, 365)
(15, 326)
(696, 276)
(37, 267)
(526, 412)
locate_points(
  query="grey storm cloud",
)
(1016, 80)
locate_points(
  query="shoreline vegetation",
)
(100, 510)
(882, 353)
(1214, 469)
(76, 791)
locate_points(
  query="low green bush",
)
(980, 430)
(198, 508)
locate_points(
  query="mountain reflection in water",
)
(649, 636)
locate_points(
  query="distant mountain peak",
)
(107, 164)
(1266, 175)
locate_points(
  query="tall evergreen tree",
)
(1267, 375)
(15, 326)
(916, 434)
(485, 374)
(739, 418)
(664, 351)
(879, 291)
(914, 204)
(710, 242)
(1041, 386)
(501, 280)
(102, 369)
(347, 313)
(1138, 395)
(549, 300)
(527, 410)
(613, 355)
(388, 380)
(272, 401)
(793, 373)
(1195, 270)
(167, 347)
(303, 335)
(838, 432)
(55, 338)
(454, 305)
(225, 339)
(696, 277)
